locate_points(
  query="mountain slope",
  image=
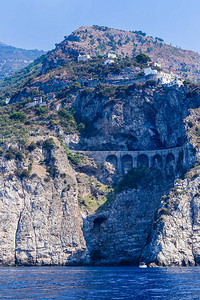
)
(99, 40)
(60, 64)
(13, 59)
(60, 206)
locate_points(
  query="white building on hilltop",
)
(83, 57)
(157, 65)
(169, 79)
(165, 78)
(177, 81)
(112, 55)
(149, 71)
(108, 62)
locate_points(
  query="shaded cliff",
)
(175, 234)
(133, 118)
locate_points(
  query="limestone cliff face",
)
(53, 214)
(175, 237)
(149, 118)
(40, 218)
(119, 235)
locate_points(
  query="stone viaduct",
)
(126, 160)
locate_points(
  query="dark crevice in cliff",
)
(16, 232)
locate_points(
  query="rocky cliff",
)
(143, 118)
(174, 239)
(59, 207)
(58, 213)
(40, 219)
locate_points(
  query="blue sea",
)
(99, 283)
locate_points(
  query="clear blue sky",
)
(40, 24)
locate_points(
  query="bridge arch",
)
(142, 161)
(170, 158)
(157, 161)
(127, 163)
(112, 159)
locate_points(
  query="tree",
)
(142, 58)
(18, 116)
(76, 85)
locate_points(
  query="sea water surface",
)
(99, 283)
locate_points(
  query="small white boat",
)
(142, 265)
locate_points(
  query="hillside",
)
(60, 67)
(66, 208)
(99, 40)
(99, 163)
(13, 59)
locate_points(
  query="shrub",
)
(18, 116)
(73, 158)
(48, 144)
(63, 175)
(142, 58)
(41, 111)
(81, 127)
(150, 82)
(25, 173)
(64, 93)
(32, 146)
(140, 32)
(65, 114)
(47, 179)
(67, 120)
(102, 91)
(9, 155)
(19, 156)
(186, 82)
(164, 211)
(76, 85)
(130, 180)
(52, 171)
(197, 131)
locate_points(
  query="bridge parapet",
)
(124, 160)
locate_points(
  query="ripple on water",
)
(99, 283)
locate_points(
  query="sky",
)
(39, 24)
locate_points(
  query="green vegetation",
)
(52, 171)
(76, 85)
(32, 146)
(100, 196)
(48, 145)
(24, 173)
(159, 39)
(18, 116)
(131, 180)
(14, 59)
(142, 58)
(67, 121)
(164, 211)
(137, 177)
(41, 111)
(74, 158)
(139, 32)
(100, 28)
(19, 80)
